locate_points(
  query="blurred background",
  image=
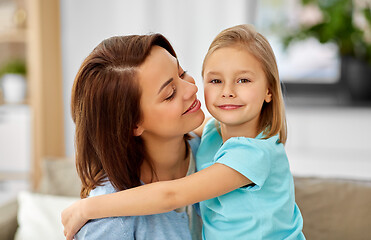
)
(323, 49)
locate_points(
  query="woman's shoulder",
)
(105, 188)
(155, 227)
(107, 228)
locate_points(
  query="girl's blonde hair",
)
(272, 116)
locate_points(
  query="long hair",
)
(105, 107)
(272, 117)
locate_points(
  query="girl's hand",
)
(73, 219)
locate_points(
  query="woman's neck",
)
(248, 129)
(168, 159)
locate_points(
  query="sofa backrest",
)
(334, 208)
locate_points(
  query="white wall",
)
(189, 25)
(329, 141)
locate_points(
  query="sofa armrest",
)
(8, 220)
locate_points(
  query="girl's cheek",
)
(208, 92)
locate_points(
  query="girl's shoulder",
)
(212, 128)
(258, 143)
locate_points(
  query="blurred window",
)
(305, 61)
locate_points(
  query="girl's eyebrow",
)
(239, 72)
(165, 84)
(246, 71)
(212, 73)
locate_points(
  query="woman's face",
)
(170, 107)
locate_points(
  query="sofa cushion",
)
(39, 216)
(8, 220)
(334, 208)
(60, 177)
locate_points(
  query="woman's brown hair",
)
(105, 107)
(245, 37)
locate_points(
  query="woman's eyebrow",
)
(165, 84)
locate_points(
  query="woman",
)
(133, 106)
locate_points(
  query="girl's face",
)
(235, 87)
(170, 107)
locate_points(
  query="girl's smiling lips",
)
(196, 105)
(229, 106)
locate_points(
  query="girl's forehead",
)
(226, 55)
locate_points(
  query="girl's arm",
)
(155, 198)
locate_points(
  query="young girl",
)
(244, 179)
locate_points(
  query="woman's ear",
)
(268, 96)
(138, 131)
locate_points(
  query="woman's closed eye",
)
(172, 94)
(182, 75)
(173, 87)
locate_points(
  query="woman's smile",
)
(196, 105)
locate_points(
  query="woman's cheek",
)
(169, 111)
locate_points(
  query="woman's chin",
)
(200, 118)
(197, 120)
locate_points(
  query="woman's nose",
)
(189, 79)
(190, 89)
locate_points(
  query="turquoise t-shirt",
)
(263, 210)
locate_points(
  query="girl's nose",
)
(228, 92)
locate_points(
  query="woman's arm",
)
(155, 198)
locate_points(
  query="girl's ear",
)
(268, 96)
(138, 131)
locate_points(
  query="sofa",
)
(331, 208)
(36, 215)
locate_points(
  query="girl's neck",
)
(168, 159)
(248, 129)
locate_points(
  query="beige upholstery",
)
(59, 177)
(334, 209)
(8, 220)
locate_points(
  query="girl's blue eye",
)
(243, 80)
(215, 81)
